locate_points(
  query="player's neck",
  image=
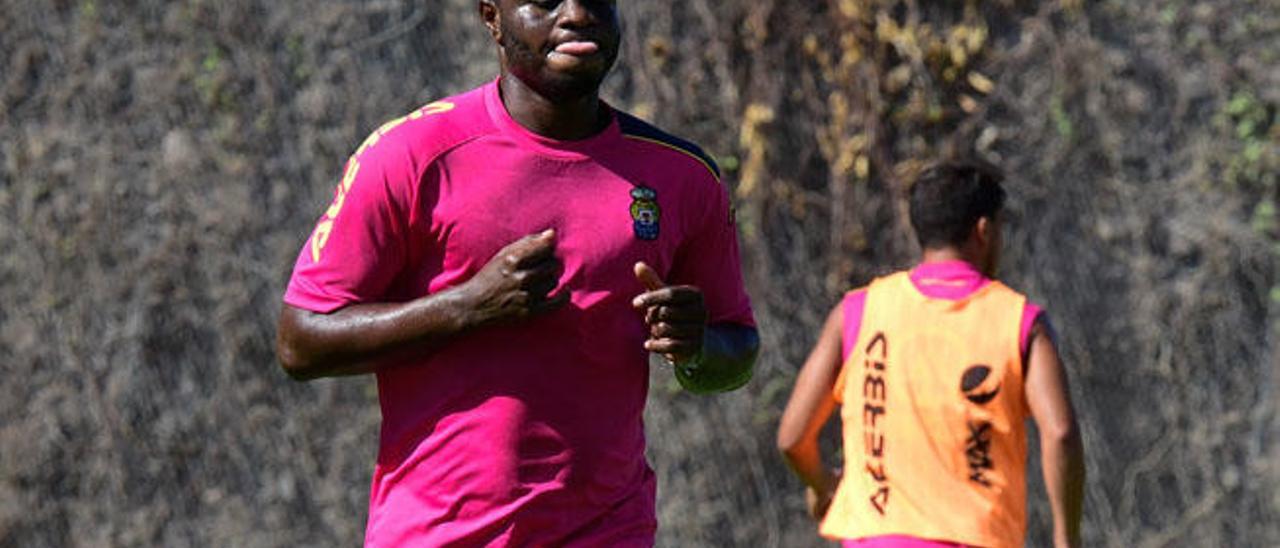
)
(944, 254)
(973, 255)
(566, 121)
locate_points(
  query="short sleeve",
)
(710, 260)
(851, 306)
(1031, 313)
(359, 245)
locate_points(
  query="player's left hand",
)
(676, 316)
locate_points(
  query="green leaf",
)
(1241, 102)
(1264, 217)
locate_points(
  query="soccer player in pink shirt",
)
(504, 261)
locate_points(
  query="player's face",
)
(561, 48)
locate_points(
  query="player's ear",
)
(988, 230)
(984, 230)
(492, 18)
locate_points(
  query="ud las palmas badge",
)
(644, 212)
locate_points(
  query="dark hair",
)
(948, 198)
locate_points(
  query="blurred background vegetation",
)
(161, 163)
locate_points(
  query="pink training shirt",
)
(529, 434)
(951, 280)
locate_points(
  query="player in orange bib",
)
(935, 371)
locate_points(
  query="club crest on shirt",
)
(644, 212)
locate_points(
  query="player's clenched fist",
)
(517, 281)
(676, 316)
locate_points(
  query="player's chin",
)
(577, 72)
(596, 62)
(565, 86)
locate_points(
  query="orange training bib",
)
(934, 419)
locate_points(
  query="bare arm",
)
(349, 341)
(810, 406)
(1061, 449)
(513, 285)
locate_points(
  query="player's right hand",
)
(818, 503)
(819, 500)
(517, 281)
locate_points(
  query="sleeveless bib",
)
(933, 416)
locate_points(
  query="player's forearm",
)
(351, 341)
(805, 460)
(725, 363)
(1063, 466)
